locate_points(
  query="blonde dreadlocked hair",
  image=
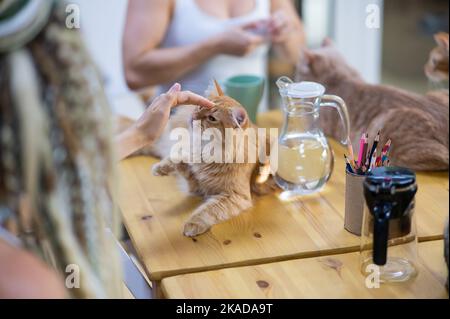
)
(56, 159)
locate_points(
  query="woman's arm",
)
(146, 64)
(152, 123)
(288, 35)
(24, 276)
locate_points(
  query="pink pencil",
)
(362, 141)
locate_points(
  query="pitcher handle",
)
(283, 82)
(339, 104)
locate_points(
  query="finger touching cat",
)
(175, 97)
(187, 97)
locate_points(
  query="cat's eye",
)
(212, 118)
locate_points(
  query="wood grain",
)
(335, 276)
(154, 211)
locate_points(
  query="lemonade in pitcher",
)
(304, 163)
(305, 160)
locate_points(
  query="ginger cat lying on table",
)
(226, 187)
(418, 125)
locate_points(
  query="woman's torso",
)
(191, 24)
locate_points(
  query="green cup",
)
(247, 90)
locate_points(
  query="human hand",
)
(154, 119)
(280, 26)
(152, 123)
(238, 41)
(259, 27)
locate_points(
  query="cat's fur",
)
(436, 68)
(418, 125)
(226, 187)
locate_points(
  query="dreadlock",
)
(56, 158)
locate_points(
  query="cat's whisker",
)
(237, 123)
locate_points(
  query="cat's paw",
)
(160, 170)
(195, 226)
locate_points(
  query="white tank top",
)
(190, 24)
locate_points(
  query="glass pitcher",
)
(388, 235)
(305, 160)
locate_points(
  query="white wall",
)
(101, 24)
(317, 20)
(344, 21)
(360, 44)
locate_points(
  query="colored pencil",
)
(386, 147)
(362, 141)
(350, 167)
(368, 158)
(351, 155)
(367, 164)
(378, 161)
(365, 146)
(373, 160)
(374, 145)
(385, 151)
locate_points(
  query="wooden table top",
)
(154, 211)
(336, 276)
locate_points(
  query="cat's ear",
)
(239, 115)
(306, 59)
(441, 39)
(309, 56)
(217, 91)
(327, 42)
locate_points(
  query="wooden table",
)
(154, 211)
(336, 276)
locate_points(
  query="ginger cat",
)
(436, 68)
(226, 187)
(418, 125)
